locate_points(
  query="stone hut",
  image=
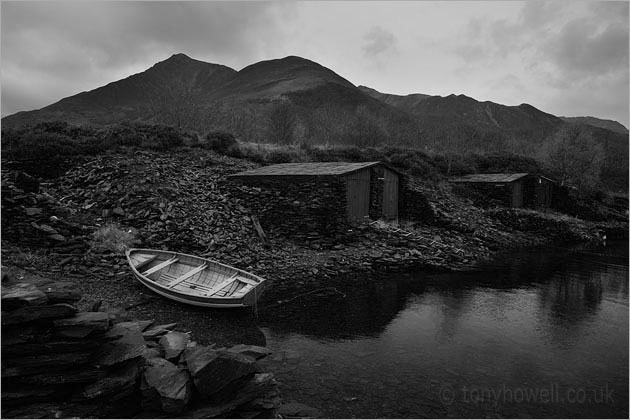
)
(321, 196)
(514, 190)
(538, 191)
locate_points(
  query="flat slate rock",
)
(82, 324)
(158, 330)
(120, 380)
(142, 325)
(128, 344)
(260, 386)
(33, 411)
(165, 387)
(61, 292)
(31, 365)
(21, 348)
(257, 352)
(35, 313)
(22, 294)
(25, 395)
(174, 343)
(214, 370)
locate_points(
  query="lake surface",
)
(535, 333)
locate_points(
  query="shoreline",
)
(182, 201)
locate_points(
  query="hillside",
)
(135, 98)
(295, 100)
(598, 122)
(461, 109)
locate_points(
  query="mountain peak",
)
(179, 56)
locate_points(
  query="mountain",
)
(400, 101)
(310, 102)
(461, 109)
(273, 78)
(132, 98)
(598, 122)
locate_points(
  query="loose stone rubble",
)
(183, 201)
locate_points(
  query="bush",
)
(112, 238)
(220, 142)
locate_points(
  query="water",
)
(536, 333)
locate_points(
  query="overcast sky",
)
(564, 57)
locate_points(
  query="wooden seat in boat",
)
(160, 266)
(221, 285)
(186, 276)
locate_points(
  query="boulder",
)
(82, 324)
(261, 386)
(35, 313)
(214, 370)
(127, 343)
(152, 353)
(174, 344)
(165, 387)
(22, 294)
(256, 352)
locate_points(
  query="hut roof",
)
(491, 178)
(305, 169)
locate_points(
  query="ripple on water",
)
(532, 319)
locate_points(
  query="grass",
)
(113, 238)
(26, 258)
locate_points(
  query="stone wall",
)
(311, 210)
(61, 363)
(414, 205)
(486, 193)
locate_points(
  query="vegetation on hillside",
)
(573, 157)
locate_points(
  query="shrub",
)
(220, 141)
(112, 238)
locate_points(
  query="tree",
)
(281, 123)
(575, 156)
(365, 129)
(177, 105)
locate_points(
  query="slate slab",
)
(165, 387)
(214, 370)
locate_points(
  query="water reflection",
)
(528, 319)
(362, 307)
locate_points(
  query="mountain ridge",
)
(225, 98)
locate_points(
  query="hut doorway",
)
(358, 195)
(517, 194)
(390, 195)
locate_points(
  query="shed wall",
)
(358, 195)
(390, 194)
(304, 209)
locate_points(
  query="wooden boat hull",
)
(194, 280)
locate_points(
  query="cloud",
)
(379, 41)
(92, 43)
(584, 48)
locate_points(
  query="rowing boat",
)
(194, 280)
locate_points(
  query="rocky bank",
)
(183, 201)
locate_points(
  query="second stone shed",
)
(358, 189)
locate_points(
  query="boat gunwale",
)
(171, 293)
